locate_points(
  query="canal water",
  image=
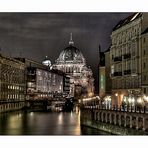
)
(44, 123)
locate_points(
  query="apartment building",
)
(12, 84)
(125, 59)
(144, 65)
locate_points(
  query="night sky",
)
(35, 35)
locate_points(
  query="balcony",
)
(117, 74)
(118, 59)
(127, 56)
(127, 72)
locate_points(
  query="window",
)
(144, 90)
(112, 57)
(144, 52)
(144, 65)
(143, 40)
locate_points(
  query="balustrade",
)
(118, 116)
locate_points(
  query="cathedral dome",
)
(71, 54)
(46, 62)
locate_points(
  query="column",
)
(119, 120)
(102, 117)
(110, 116)
(143, 124)
(115, 119)
(106, 117)
(94, 115)
(98, 117)
(131, 122)
(137, 123)
(125, 121)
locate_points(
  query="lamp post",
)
(129, 102)
(133, 103)
(124, 103)
(108, 102)
(139, 101)
(116, 94)
(145, 98)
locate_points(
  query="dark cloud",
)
(36, 35)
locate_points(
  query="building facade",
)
(43, 84)
(144, 65)
(125, 59)
(72, 63)
(12, 84)
(102, 80)
(108, 81)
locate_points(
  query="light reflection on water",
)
(43, 123)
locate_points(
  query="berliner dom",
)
(72, 62)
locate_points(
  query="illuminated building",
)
(72, 63)
(42, 82)
(108, 81)
(144, 65)
(102, 81)
(125, 59)
(12, 84)
(102, 77)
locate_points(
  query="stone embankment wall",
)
(115, 122)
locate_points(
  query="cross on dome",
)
(71, 41)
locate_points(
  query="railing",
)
(137, 121)
(134, 109)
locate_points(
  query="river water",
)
(44, 123)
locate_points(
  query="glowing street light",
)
(129, 100)
(133, 100)
(145, 98)
(90, 94)
(116, 94)
(139, 100)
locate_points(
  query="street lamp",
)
(145, 98)
(116, 94)
(139, 100)
(108, 102)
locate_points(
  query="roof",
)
(127, 20)
(145, 31)
(107, 49)
(11, 59)
(69, 54)
(32, 63)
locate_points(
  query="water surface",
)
(44, 123)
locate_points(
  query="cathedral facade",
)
(72, 62)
